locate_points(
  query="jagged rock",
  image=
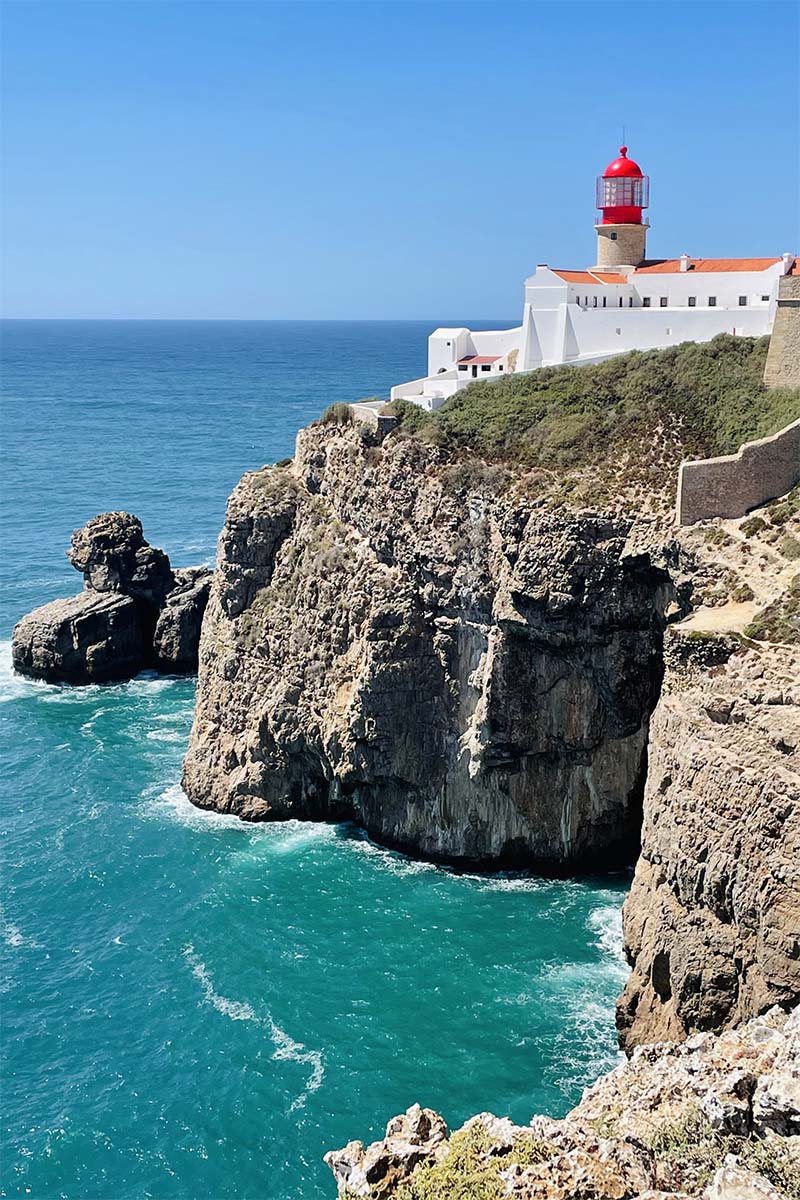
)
(776, 1099)
(417, 647)
(177, 633)
(134, 612)
(640, 1132)
(413, 1138)
(111, 552)
(737, 1183)
(88, 638)
(712, 922)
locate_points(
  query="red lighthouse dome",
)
(622, 191)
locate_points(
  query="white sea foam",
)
(390, 860)
(286, 1049)
(173, 804)
(234, 1009)
(166, 735)
(606, 923)
(13, 936)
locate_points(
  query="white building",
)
(625, 302)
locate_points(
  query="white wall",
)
(727, 286)
(595, 330)
(446, 346)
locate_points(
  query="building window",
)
(663, 301)
(500, 367)
(620, 301)
(594, 301)
(692, 301)
(486, 366)
(765, 298)
(613, 237)
(712, 301)
(604, 301)
(742, 301)
(646, 302)
(630, 301)
(462, 366)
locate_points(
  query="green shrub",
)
(409, 417)
(790, 546)
(284, 462)
(752, 526)
(337, 414)
(471, 1169)
(779, 621)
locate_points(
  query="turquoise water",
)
(193, 1007)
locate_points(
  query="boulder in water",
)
(89, 638)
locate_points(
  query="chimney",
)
(788, 260)
(685, 264)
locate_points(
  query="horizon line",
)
(252, 320)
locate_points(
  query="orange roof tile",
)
(590, 277)
(671, 266)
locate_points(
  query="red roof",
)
(672, 265)
(623, 167)
(590, 277)
(480, 358)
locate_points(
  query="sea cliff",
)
(424, 647)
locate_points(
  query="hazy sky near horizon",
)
(233, 159)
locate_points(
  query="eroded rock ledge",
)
(716, 1118)
(134, 611)
(420, 647)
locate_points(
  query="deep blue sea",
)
(194, 1008)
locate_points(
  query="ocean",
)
(192, 1007)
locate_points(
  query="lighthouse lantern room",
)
(622, 193)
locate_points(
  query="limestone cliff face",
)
(422, 648)
(712, 923)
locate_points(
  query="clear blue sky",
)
(350, 160)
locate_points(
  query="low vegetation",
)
(779, 621)
(471, 1169)
(635, 416)
(687, 1153)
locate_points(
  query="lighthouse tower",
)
(622, 193)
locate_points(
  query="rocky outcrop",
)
(716, 1118)
(135, 611)
(421, 647)
(176, 637)
(712, 923)
(88, 638)
(111, 553)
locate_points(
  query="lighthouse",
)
(622, 194)
(625, 302)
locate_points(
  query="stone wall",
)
(380, 422)
(733, 484)
(627, 249)
(783, 358)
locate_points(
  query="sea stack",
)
(134, 611)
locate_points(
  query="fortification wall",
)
(783, 356)
(731, 485)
